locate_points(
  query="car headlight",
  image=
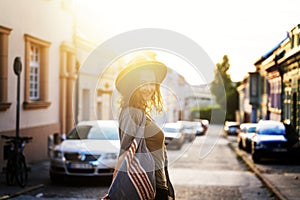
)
(259, 145)
(110, 156)
(58, 155)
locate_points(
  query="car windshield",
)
(271, 131)
(94, 133)
(251, 129)
(171, 130)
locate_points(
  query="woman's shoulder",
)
(135, 114)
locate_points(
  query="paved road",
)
(204, 169)
(218, 175)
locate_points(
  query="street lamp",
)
(18, 70)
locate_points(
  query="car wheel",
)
(256, 158)
(240, 144)
(56, 178)
(178, 146)
(248, 148)
(192, 138)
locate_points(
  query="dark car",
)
(269, 140)
(231, 128)
(293, 142)
(244, 138)
(201, 127)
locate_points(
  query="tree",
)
(224, 89)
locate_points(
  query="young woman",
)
(139, 86)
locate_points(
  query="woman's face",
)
(147, 91)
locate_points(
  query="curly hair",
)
(135, 100)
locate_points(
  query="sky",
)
(242, 30)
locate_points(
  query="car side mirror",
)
(57, 138)
(53, 140)
(63, 137)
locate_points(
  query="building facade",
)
(245, 108)
(278, 82)
(289, 65)
(41, 33)
(57, 90)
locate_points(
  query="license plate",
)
(80, 166)
(280, 150)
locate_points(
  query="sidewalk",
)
(284, 184)
(36, 180)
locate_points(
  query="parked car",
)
(244, 138)
(231, 128)
(201, 127)
(174, 135)
(293, 142)
(291, 135)
(269, 140)
(205, 123)
(189, 130)
(90, 149)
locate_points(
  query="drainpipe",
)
(254, 114)
(255, 85)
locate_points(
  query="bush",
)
(214, 115)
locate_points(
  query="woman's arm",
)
(130, 121)
(119, 161)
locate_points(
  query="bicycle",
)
(16, 168)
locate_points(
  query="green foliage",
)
(224, 89)
(212, 114)
(203, 113)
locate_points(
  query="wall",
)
(49, 21)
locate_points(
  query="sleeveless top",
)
(130, 118)
(155, 142)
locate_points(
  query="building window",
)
(4, 40)
(36, 73)
(292, 41)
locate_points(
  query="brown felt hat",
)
(139, 71)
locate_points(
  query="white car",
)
(189, 130)
(244, 137)
(174, 135)
(90, 149)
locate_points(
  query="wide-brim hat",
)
(138, 72)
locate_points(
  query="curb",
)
(21, 192)
(252, 167)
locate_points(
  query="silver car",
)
(90, 149)
(174, 135)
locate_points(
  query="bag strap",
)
(137, 173)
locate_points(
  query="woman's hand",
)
(105, 197)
